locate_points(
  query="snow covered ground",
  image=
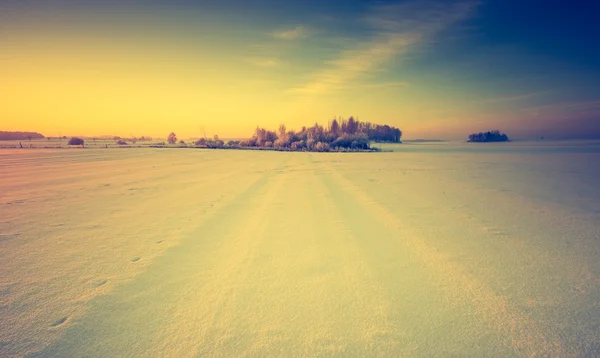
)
(434, 249)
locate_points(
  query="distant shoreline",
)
(425, 140)
(155, 146)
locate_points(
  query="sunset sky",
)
(435, 69)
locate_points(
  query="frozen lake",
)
(432, 249)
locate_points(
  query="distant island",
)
(491, 136)
(20, 135)
(339, 135)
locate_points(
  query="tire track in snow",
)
(580, 274)
(420, 315)
(134, 316)
(310, 292)
(523, 254)
(517, 329)
(218, 295)
(91, 249)
(367, 314)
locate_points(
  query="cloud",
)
(425, 17)
(589, 108)
(264, 62)
(386, 84)
(513, 98)
(338, 85)
(396, 30)
(291, 34)
(353, 63)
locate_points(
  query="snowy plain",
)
(430, 249)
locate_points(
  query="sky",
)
(434, 69)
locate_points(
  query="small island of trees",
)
(490, 136)
(76, 141)
(339, 135)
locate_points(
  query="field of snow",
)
(433, 249)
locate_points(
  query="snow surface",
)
(438, 249)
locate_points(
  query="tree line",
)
(4, 135)
(339, 134)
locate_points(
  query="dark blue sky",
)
(567, 32)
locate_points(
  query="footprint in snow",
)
(59, 321)
(101, 283)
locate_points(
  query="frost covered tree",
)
(351, 126)
(334, 128)
(172, 138)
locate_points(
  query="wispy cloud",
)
(291, 34)
(586, 108)
(353, 63)
(396, 30)
(338, 85)
(264, 62)
(425, 17)
(515, 98)
(386, 85)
